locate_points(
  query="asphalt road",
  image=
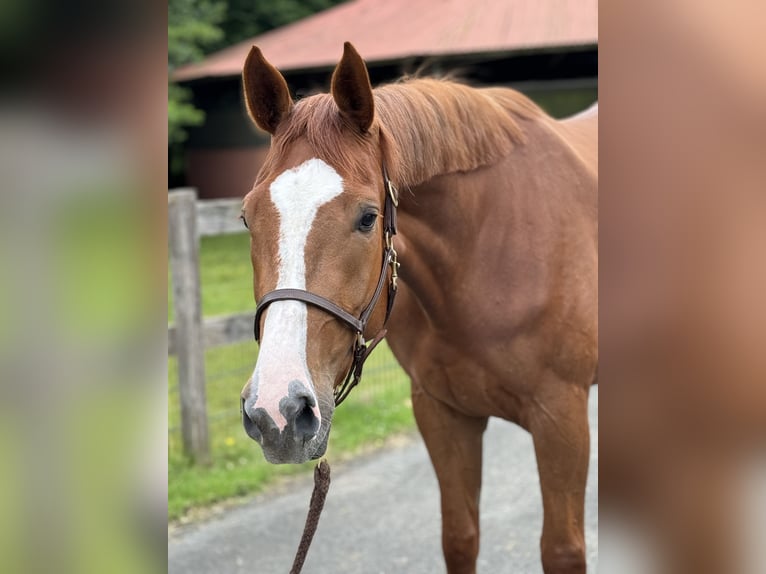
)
(382, 517)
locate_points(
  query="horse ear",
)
(351, 89)
(266, 93)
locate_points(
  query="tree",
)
(193, 25)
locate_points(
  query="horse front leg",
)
(558, 421)
(454, 443)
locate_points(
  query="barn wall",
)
(223, 172)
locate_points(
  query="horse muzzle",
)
(293, 432)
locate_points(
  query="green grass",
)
(226, 276)
(377, 409)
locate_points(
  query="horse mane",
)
(427, 127)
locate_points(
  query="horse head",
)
(315, 216)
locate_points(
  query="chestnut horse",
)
(496, 312)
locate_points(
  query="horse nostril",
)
(295, 421)
(306, 424)
(298, 408)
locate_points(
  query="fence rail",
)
(219, 331)
(219, 216)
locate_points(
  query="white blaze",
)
(297, 194)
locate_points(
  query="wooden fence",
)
(188, 220)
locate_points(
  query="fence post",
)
(183, 249)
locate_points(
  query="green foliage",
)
(193, 25)
(226, 275)
(181, 113)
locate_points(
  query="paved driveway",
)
(382, 517)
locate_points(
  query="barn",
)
(547, 49)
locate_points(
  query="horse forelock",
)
(423, 128)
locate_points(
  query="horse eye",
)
(367, 222)
(242, 217)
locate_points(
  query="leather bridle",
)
(361, 349)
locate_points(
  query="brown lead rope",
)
(321, 486)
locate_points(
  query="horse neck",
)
(439, 224)
(431, 127)
(521, 212)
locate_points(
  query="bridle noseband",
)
(361, 349)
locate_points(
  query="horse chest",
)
(482, 383)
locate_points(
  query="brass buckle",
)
(393, 259)
(394, 263)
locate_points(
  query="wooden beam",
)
(220, 331)
(219, 216)
(183, 251)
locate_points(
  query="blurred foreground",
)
(682, 283)
(83, 402)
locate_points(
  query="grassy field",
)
(225, 274)
(378, 408)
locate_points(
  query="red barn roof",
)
(386, 30)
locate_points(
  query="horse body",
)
(498, 317)
(496, 312)
(501, 281)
